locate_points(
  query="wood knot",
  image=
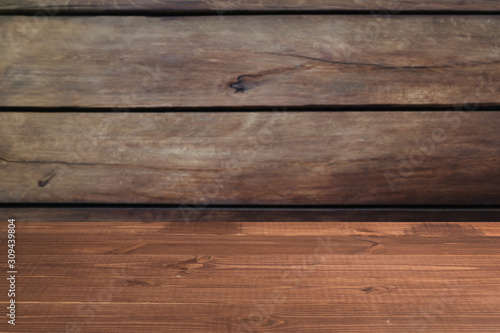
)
(203, 258)
(379, 290)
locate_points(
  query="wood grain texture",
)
(227, 6)
(303, 158)
(278, 228)
(183, 216)
(112, 277)
(253, 61)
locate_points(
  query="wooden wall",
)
(336, 105)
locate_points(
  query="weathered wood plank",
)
(221, 7)
(300, 158)
(112, 277)
(254, 61)
(217, 220)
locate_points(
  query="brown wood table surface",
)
(257, 277)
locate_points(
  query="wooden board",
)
(59, 228)
(221, 217)
(101, 277)
(251, 61)
(224, 7)
(281, 158)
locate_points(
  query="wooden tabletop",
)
(257, 277)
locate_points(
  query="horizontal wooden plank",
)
(301, 158)
(221, 7)
(214, 220)
(278, 228)
(253, 61)
(321, 318)
(287, 245)
(125, 277)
